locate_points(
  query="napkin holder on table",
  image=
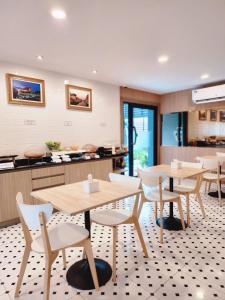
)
(176, 164)
(91, 186)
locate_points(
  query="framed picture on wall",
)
(25, 90)
(222, 116)
(202, 115)
(213, 115)
(79, 98)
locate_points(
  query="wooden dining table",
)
(72, 200)
(170, 222)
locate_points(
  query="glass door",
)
(174, 129)
(140, 136)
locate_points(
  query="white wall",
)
(203, 129)
(100, 126)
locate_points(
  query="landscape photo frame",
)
(78, 98)
(23, 90)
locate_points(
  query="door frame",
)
(143, 104)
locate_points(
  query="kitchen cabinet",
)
(77, 172)
(10, 184)
(26, 181)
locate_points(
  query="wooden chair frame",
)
(161, 207)
(198, 198)
(50, 255)
(218, 182)
(132, 220)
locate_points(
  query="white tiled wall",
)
(100, 126)
(200, 129)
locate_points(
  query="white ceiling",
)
(120, 38)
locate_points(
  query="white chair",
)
(50, 241)
(154, 192)
(221, 155)
(187, 189)
(213, 176)
(115, 217)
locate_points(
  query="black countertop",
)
(29, 164)
(208, 145)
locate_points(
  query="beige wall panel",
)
(167, 154)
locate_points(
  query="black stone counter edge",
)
(51, 164)
(207, 146)
(195, 146)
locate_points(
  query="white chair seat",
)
(213, 176)
(166, 196)
(110, 217)
(61, 236)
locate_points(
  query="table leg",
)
(170, 222)
(79, 274)
(216, 194)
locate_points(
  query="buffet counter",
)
(45, 162)
(187, 153)
(27, 177)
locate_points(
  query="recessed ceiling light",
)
(40, 57)
(94, 71)
(205, 76)
(58, 14)
(66, 81)
(163, 59)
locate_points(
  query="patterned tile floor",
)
(190, 265)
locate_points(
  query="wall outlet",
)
(30, 122)
(68, 123)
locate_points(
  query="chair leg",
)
(161, 222)
(188, 210)
(209, 186)
(199, 198)
(181, 213)
(22, 269)
(206, 183)
(219, 192)
(89, 253)
(140, 208)
(140, 236)
(84, 253)
(64, 257)
(48, 265)
(156, 211)
(115, 236)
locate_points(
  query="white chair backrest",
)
(221, 157)
(210, 164)
(150, 179)
(30, 213)
(126, 181)
(186, 164)
(220, 154)
(19, 198)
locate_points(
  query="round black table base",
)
(79, 274)
(216, 194)
(170, 223)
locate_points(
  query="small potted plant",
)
(53, 145)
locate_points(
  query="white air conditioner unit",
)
(209, 94)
